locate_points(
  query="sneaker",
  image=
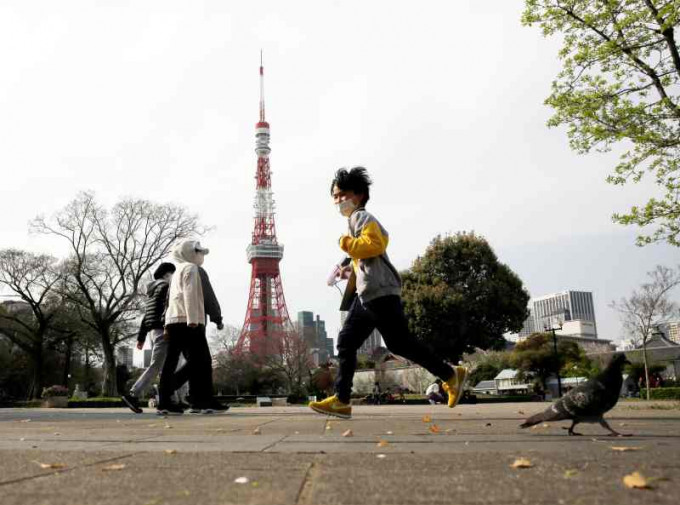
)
(454, 386)
(332, 406)
(133, 402)
(169, 410)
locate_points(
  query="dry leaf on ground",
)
(25, 421)
(50, 465)
(636, 481)
(113, 468)
(521, 463)
(242, 480)
(389, 433)
(170, 451)
(570, 473)
(167, 427)
(383, 443)
(521, 412)
(427, 419)
(434, 429)
(380, 456)
(625, 448)
(348, 433)
(257, 431)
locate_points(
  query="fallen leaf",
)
(56, 433)
(380, 456)
(257, 431)
(255, 483)
(427, 419)
(348, 433)
(21, 439)
(242, 480)
(449, 430)
(636, 481)
(622, 424)
(297, 432)
(520, 412)
(168, 427)
(434, 429)
(170, 451)
(151, 425)
(113, 468)
(383, 443)
(328, 426)
(25, 421)
(521, 463)
(487, 424)
(389, 433)
(546, 425)
(568, 474)
(625, 448)
(51, 465)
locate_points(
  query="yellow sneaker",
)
(333, 407)
(454, 386)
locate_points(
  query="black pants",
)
(387, 315)
(192, 343)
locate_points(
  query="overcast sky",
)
(442, 103)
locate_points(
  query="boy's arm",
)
(192, 293)
(370, 242)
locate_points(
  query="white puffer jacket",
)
(185, 301)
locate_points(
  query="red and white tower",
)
(267, 321)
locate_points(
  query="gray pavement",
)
(290, 455)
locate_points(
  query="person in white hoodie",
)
(185, 330)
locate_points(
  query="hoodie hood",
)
(153, 285)
(186, 251)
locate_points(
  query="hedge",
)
(663, 393)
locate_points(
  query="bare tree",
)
(224, 340)
(291, 359)
(110, 253)
(648, 307)
(32, 278)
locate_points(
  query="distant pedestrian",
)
(434, 393)
(185, 322)
(373, 298)
(153, 323)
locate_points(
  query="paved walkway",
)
(396, 454)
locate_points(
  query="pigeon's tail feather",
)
(541, 417)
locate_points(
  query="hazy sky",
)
(443, 104)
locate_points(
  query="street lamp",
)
(552, 328)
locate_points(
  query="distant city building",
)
(147, 357)
(573, 310)
(124, 356)
(671, 331)
(313, 331)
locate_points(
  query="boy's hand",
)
(140, 345)
(220, 326)
(345, 272)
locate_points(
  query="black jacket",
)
(210, 303)
(154, 308)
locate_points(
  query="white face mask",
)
(200, 258)
(346, 207)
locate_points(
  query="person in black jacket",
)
(153, 322)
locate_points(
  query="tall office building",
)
(671, 331)
(124, 355)
(574, 311)
(313, 331)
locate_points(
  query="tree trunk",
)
(109, 387)
(644, 360)
(67, 361)
(37, 381)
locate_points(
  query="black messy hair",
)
(355, 180)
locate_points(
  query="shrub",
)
(54, 391)
(664, 393)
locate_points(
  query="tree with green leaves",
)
(111, 252)
(620, 86)
(535, 356)
(459, 297)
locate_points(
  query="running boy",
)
(373, 297)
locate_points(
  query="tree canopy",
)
(458, 296)
(620, 86)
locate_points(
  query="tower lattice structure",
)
(267, 322)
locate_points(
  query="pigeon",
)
(588, 402)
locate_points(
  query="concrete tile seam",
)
(67, 469)
(305, 492)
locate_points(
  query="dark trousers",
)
(192, 343)
(387, 315)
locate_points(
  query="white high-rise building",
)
(574, 311)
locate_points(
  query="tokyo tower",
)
(267, 321)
